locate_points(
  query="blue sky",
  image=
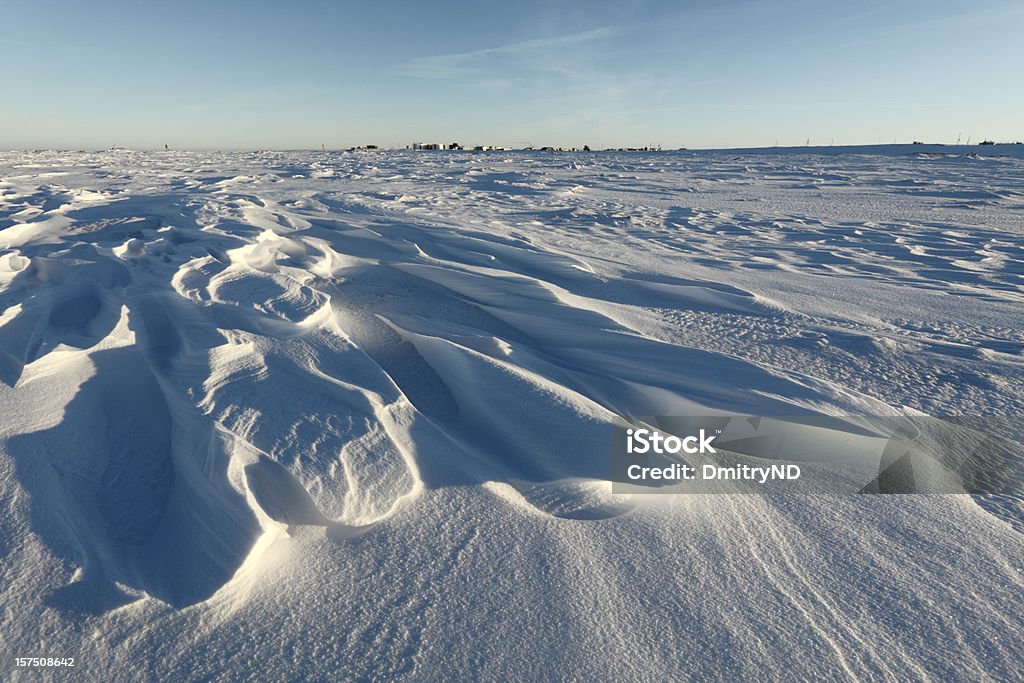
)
(261, 74)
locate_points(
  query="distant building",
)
(455, 145)
(425, 146)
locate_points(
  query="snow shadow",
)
(134, 489)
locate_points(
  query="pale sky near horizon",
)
(261, 74)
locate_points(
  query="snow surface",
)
(346, 416)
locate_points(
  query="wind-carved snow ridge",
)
(376, 393)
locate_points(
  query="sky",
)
(257, 74)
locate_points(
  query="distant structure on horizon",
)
(456, 146)
(431, 146)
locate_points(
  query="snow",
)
(348, 415)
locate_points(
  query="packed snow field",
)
(347, 415)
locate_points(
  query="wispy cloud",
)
(528, 54)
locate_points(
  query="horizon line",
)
(370, 147)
